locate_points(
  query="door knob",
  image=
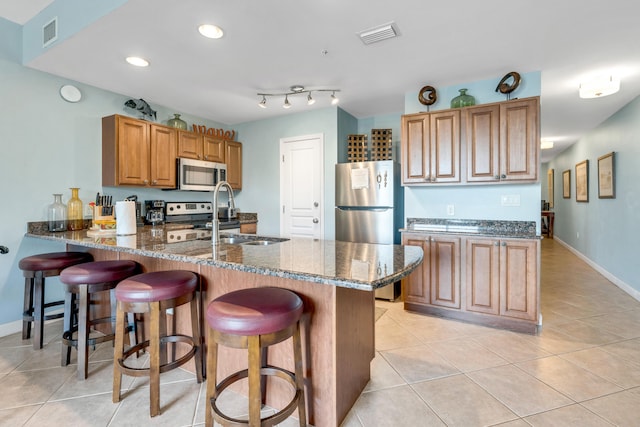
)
(316, 220)
(4, 250)
(316, 204)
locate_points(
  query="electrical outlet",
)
(450, 210)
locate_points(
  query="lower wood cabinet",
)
(499, 286)
(437, 280)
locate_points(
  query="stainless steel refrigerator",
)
(370, 207)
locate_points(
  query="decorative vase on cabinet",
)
(177, 122)
(74, 211)
(57, 214)
(463, 100)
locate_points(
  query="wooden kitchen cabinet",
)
(201, 147)
(233, 159)
(502, 277)
(250, 228)
(437, 280)
(137, 153)
(430, 148)
(502, 141)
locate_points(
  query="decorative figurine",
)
(431, 97)
(507, 88)
(142, 106)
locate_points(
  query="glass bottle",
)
(463, 100)
(57, 214)
(177, 122)
(75, 219)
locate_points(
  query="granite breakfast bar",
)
(335, 279)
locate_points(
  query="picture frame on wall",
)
(582, 181)
(566, 184)
(606, 177)
(550, 187)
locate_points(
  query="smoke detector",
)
(377, 34)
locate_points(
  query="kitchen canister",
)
(57, 214)
(125, 218)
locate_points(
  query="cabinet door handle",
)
(427, 178)
(496, 244)
(146, 181)
(504, 243)
(497, 177)
(503, 176)
(155, 182)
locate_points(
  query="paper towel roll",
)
(129, 241)
(125, 218)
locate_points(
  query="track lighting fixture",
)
(297, 90)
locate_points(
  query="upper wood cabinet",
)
(233, 159)
(137, 153)
(503, 141)
(500, 142)
(200, 147)
(430, 146)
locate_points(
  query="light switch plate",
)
(450, 210)
(510, 200)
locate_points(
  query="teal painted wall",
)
(606, 232)
(261, 166)
(474, 202)
(48, 145)
(347, 125)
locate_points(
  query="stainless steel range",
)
(196, 215)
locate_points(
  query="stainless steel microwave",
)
(199, 175)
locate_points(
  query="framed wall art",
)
(582, 181)
(550, 187)
(606, 177)
(566, 184)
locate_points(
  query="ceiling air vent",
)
(377, 34)
(50, 32)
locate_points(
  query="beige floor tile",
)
(588, 334)
(419, 364)
(574, 415)
(383, 375)
(520, 392)
(620, 324)
(515, 423)
(457, 353)
(556, 342)
(621, 409)
(30, 387)
(12, 357)
(629, 350)
(17, 416)
(622, 372)
(177, 406)
(100, 380)
(393, 337)
(458, 401)
(569, 379)
(84, 411)
(511, 346)
(394, 407)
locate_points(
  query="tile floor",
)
(583, 369)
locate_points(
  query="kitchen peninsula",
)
(335, 279)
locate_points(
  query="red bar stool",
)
(82, 281)
(254, 319)
(154, 293)
(35, 268)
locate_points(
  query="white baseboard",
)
(635, 294)
(16, 326)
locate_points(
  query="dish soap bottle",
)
(75, 220)
(56, 214)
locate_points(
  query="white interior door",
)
(301, 186)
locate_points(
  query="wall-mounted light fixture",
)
(599, 86)
(298, 90)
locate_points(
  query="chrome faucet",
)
(215, 238)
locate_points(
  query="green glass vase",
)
(463, 100)
(177, 122)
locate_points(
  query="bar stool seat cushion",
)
(255, 311)
(53, 260)
(156, 286)
(98, 272)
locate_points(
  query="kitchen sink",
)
(251, 240)
(234, 240)
(260, 242)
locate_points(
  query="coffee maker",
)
(154, 212)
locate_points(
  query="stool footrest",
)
(139, 372)
(67, 339)
(271, 420)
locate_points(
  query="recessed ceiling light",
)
(211, 31)
(137, 61)
(546, 144)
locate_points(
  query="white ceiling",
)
(271, 45)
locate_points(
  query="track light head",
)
(310, 100)
(263, 103)
(286, 102)
(334, 99)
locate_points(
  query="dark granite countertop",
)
(352, 265)
(475, 227)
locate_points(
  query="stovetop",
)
(196, 214)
